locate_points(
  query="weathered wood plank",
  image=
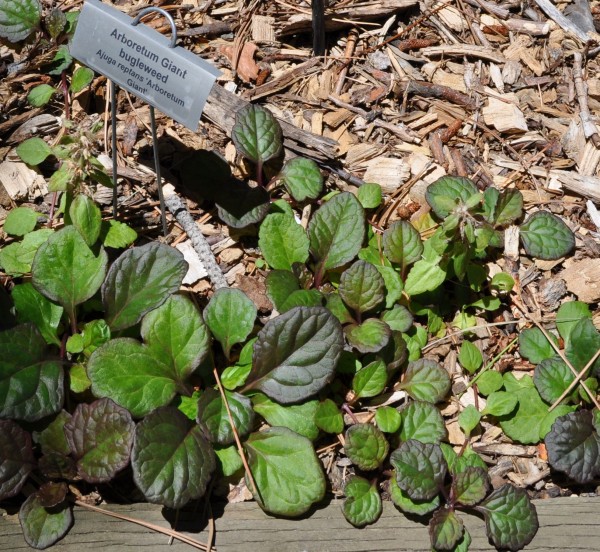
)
(565, 524)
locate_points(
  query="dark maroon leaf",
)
(16, 458)
(51, 493)
(52, 438)
(43, 527)
(58, 466)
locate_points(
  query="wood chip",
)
(583, 279)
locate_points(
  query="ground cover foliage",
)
(111, 371)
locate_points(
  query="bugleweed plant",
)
(109, 373)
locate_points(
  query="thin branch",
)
(589, 127)
(575, 382)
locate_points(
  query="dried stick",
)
(350, 45)
(589, 127)
(575, 382)
(566, 24)
(179, 211)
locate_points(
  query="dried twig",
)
(566, 24)
(589, 127)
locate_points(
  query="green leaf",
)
(388, 419)
(140, 280)
(328, 417)
(500, 403)
(32, 306)
(369, 337)
(362, 287)
(502, 208)
(300, 418)
(228, 460)
(302, 298)
(489, 381)
(171, 459)
(295, 354)
(502, 282)
(424, 276)
(212, 414)
(420, 469)
(62, 60)
(302, 178)
(117, 234)
(468, 419)
(366, 446)
(426, 380)
(230, 315)
(16, 258)
(552, 377)
(56, 21)
(399, 319)
(20, 221)
(141, 377)
(363, 504)
(287, 471)
(43, 527)
(86, 217)
(510, 518)
(447, 192)
(60, 180)
(470, 357)
(236, 375)
(583, 344)
(66, 270)
(573, 446)
(16, 458)
(534, 346)
(471, 485)
(100, 436)
(280, 285)
(282, 241)
(402, 243)
(445, 529)
(19, 18)
(33, 151)
(336, 231)
(422, 421)
(409, 505)
(568, 315)
(256, 134)
(82, 76)
(393, 285)
(40, 95)
(78, 379)
(31, 387)
(546, 236)
(370, 196)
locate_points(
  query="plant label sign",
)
(141, 61)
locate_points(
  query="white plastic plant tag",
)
(140, 60)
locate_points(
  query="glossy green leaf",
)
(19, 18)
(488, 382)
(370, 195)
(502, 282)
(328, 417)
(468, 419)
(300, 418)
(16, 458)
(20, 221)
(470, 357)
(409, 505)
(546, 236)
(388, 419)
(286, 470)
(552, 377)
(256, 134)
(302, 178)
(141, 377)
(78, 379)
(42, 527)
(369, 337)
(424, 276)
(303, 298)
(370, 380)
(117, 234)
(31, 386)
(446, 193)
(100, 436)
(16, 258)
(445, 529)
(280, 285)
(82, 77)
(363, 503)
(362, 287)
(336, 231)
(426, 380)
(66, 270)
(583, 344)
(295, 354)
(510, 517)
(422, 421)
(573, 446)
(568, 315)
(212, 414)
(500, 403)
(230, 315)
(40, 95)
(61, 179)
(393, 285)
(471, 485)
(503, 208)
(366, 446)
(282, 241)
(33, 151)
(228, 460)
(33, 307)
(86, 217)
(140, 280)
(534, 346)
(399, 319)
(402, 243)
(171, 459)
(420, 469)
